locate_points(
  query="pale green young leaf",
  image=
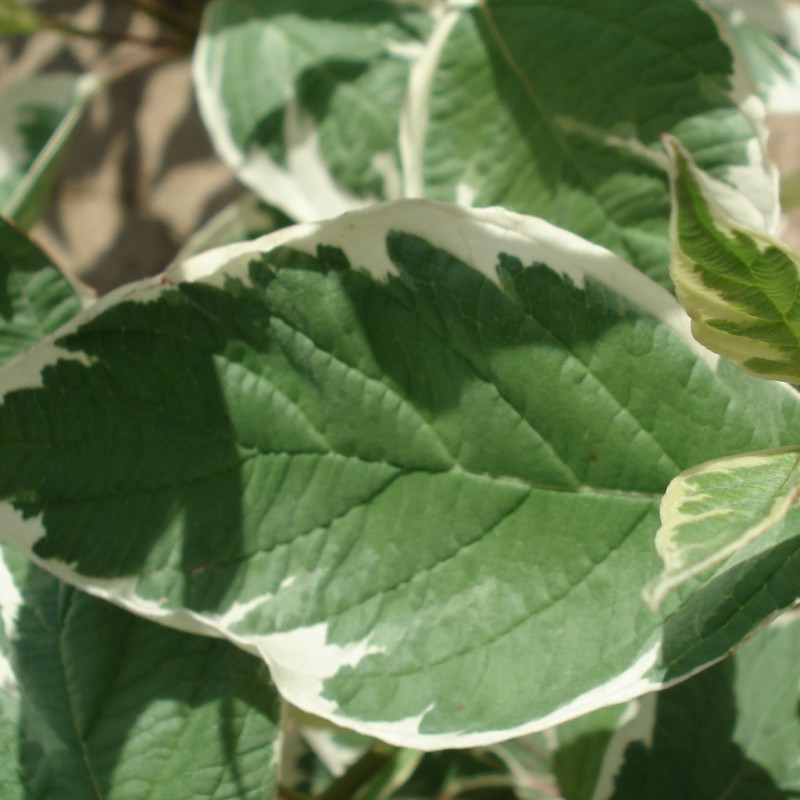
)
(740, 287)
(712, 511)
(18, 18)
(412, 457)
(37, 118)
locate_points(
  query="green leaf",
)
(732, 731)
(93, 700)
(114, 706)
(35, 297)
(494, 106)
(739, 286)
(555, 109)
(424, 490)
(18, 18)
(37, 118)
(302, 99)
(693, 754)
(767, 689)
(711, 512)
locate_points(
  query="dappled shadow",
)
(140, 475)
(693, 755)
(730, 608)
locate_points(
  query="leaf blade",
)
(739, 286)
(714, 510)
(394, 459)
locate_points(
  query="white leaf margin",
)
(683, 490)
(781, 19)
(749, 193)
(11, 602)
(301, 660)
(305, 189)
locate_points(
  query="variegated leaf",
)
(741, 287)
(423, 489)
(712, 511)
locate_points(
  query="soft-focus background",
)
(140, 174)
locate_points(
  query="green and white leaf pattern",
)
(712, 511)
(411, 457)
(96, 702)
(487, 103)
(302, 99)
(739, 286)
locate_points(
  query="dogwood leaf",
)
(712, 511)
(412, 457)
(93, 700)
(556, 110)
(302, 99)
(37, 118)
(487, 103)
(739, 286)
(731, 731)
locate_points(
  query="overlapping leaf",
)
(739, 286)
(37, 118)
(731, 731)
(556, 109)
(549, 109)
(95, 702)
(424, 490)
(711, 512)
(303, 99)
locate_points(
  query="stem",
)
(366, 768)
(287, 793)
(110, 37)
(165, 15)
(790, 191)
(124, 67)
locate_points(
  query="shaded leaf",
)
(35, 297)
(114, 706)
(95, 702)
(767, 689)
(303, 99)
(556, 110)
(693, 754)
(37, 118)
(416, 488)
